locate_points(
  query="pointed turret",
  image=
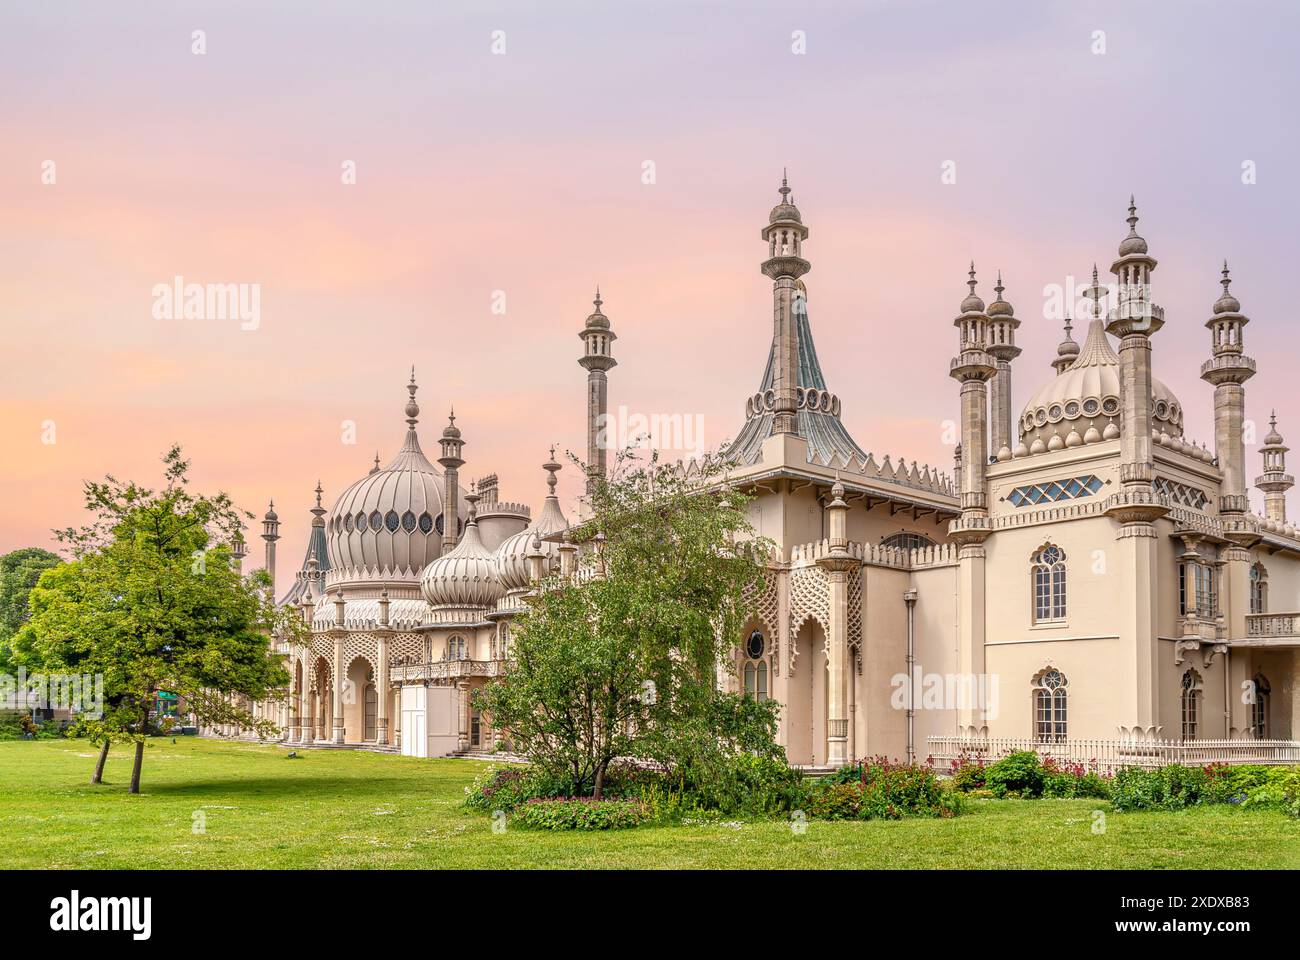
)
(451, 462)
(785, 234)
(1276, 481)
(270, 534)
(1227, 370)
(1067, 350)
(1002, 345)
(973, 368)
(597, 359)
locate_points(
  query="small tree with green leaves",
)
(19, 571)
(152, 600)
(624, 659)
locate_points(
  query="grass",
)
(341, 809)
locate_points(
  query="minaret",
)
(238, 551)
(1228, 369)
(1275, 482)
(451, 462)
(270, 534)
(1133, 320)
(597, 360)
(1067, 351)
(1136, 506)
(1002, 345)
(973, 367)
(785, 234)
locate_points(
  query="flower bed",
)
(582, 813)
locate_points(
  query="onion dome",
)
(271, 516)
(1226, 303)
(512, 555)
(1067, 350)
(468, 576)
(1132, 243)
(1273, 438)
(999, 307)
(596, 318)
(972, 303)
(385, 526)
(1087, 392)
(785, 210)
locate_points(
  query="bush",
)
(880, 790)
(1172, 787)
(505, 788)
(968, 774)
(1018, 774)
(582, 813)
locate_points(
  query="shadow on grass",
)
(302, 788)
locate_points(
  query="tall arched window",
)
(455, 648)
(1258, 588)
(1048, 568)
(1050, 706)
(1259, 708)
(1191, 704)
(754, 670)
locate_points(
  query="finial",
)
(1132, 216)
(1272, 419)
(551, 467)
(412, 408)
(785, 187)
(1226, 278)
(999, 288)
(472, 498)
(319, 491)
(375, 468)
(598, 301)
(971, 282)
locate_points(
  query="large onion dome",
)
(512, 555)
(468, 575)
(388, 524)
(1082, 404)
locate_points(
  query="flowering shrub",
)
(1172, 787)
(582, 813)
(968, 773)
(505, 788)
(879, 789)
(1018, 774)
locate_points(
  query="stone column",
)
(381, 687)
(337, 698)
(1294, 732)
(462, 691)
(837, 563)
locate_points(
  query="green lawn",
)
(352, 809)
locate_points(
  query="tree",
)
(19, 571)
(153, 601)
(623, 660)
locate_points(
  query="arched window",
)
(455, 648)
(907, 541)
(1049, 583)
(503, 642)
(1259, 707)
(1191, 704)
(1050, 706)
(1258, 588)
(371, 713)
(755, 670)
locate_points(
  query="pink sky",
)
(522, 173)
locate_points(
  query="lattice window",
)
(1055, 490)
(809, 600)
(1050, 702)
(1181, 493)
(1049, 580)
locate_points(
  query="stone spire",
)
(1002, 345)
(785, 234)
(451, 462)
(1275, 482)
(270, 534)
(597, 360)
(1228, 369)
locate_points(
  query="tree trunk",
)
(98, 775)
(600, 781)
(135, 768)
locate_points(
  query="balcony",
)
(1271, 630)
(446, 670)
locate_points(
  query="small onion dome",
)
(972, 303)
(468, 576)
(271, 516)
(1000, 307)
(512, 555)
(1067, 350)
(1226, 303)
(597, 318)
(1273, 439)
(785, 210)
(1132, 243)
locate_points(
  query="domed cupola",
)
(1082, 405)
(468, 576)
(512, 555)
(384, 527)
(785, 210)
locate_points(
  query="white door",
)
(415, 737)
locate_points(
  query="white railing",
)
(1106, 756)
(1273, 624)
